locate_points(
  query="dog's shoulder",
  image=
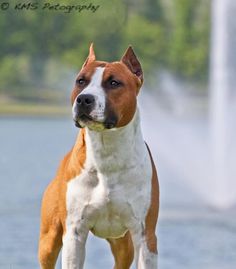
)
(73, 162)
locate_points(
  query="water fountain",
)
(220, 86)
(199, 149)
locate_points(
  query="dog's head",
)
(105, 94)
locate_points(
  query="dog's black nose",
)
(85, 100)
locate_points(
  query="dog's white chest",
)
(109, 211)
(113, 190)
(107, 204)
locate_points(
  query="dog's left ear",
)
(132, 62)
(91, 57)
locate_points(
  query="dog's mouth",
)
(83, 120)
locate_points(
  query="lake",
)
(190, 235)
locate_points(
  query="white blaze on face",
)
(95, 88)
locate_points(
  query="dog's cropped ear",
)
(91, 57)
(132, 62)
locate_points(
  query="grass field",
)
(30, 109)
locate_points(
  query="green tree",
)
(148, 40)
(164, 34)
(153, 10)
(188, 39)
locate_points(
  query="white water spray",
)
(220, 75)
(198, 148)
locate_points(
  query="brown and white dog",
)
(107, 183)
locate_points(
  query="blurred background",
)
(188, 106)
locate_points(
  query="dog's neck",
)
(116, 148)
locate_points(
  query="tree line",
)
(170, 34)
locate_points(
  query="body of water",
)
(190, 235)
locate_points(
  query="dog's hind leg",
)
(123, 251)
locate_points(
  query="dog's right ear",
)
(91, 57)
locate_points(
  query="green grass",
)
(30, 109)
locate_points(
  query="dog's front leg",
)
(145, 258)
(73, 251)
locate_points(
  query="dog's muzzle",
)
(83, 106)
(88, 112)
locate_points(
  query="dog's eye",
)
(81, 81)
(114, 83)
